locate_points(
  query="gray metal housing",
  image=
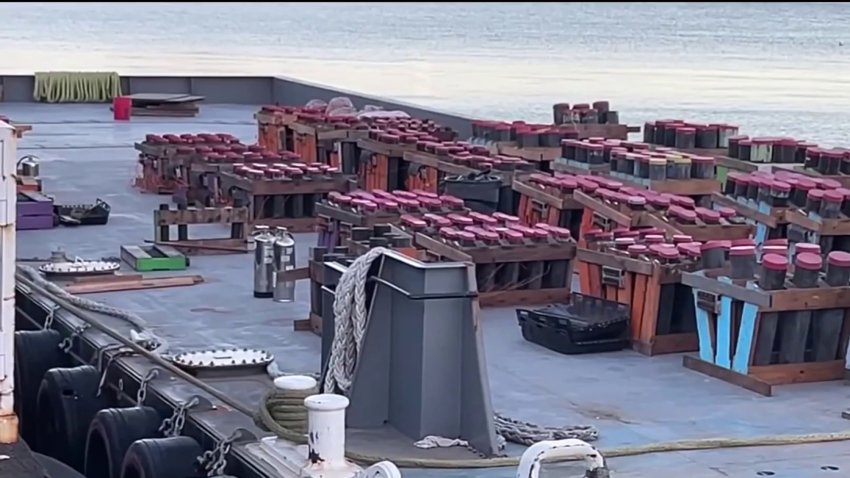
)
(422, 369)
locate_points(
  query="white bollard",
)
(326, 425)
(295, 383)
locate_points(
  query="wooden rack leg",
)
(650, 309)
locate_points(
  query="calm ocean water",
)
(777, 69)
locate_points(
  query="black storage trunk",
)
(96, 214)
(585, 325)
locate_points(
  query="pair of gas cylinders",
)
(274, 254)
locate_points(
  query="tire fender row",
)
(65, 414)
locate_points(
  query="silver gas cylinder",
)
(284, 260)
(28, 166)
(263, 262)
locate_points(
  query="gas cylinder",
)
(28, 166)
(284, 260)
(263, 262)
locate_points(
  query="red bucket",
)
(121, 106)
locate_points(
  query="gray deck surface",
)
(631, 399)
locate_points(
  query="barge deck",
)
(631, 399)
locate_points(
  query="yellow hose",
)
(76, 87)
(273, 410)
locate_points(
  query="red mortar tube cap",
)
(838, 259)
(775, 262)
(808, 261)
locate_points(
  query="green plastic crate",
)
(154, 258)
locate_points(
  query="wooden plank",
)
(736, 164)
(99, 279)
(325, 209)
(539, 154)
(699, 281)
(699, 232)
(808, 299)
(144, 284)
(295, 274)
(206, 246)
(206, 215)
(686, 187)
(667, 344)
(604, 209)
(772, 220)
(538, 194)
(448, 167)
(617, 262)
(746, 381)
(574, 167)
(824, 227)
(272, 187)
(506, 298)
(443, 250)
(782, 374)
(392, 150)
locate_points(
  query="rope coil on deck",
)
(76, 87)
(286, 409)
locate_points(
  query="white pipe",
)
(532, 458)
(8, 212)
(326, 429)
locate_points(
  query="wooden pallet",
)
(769, 222)
(738, 324)
(291, 204)
(235, 217)
(539, 203)
(831, 234)
(699, 231)
(662, 316)
(382, 166)
(520, 274)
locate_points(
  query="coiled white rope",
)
(350, 316)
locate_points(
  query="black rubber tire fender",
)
(36, 352)
(67, 402)
(111, 432)
(173, 457)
